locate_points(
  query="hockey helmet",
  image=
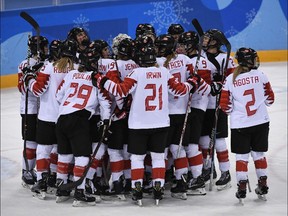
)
(175, 29)
(55, 48)
(165, 44)
(145, 56)
(247, 57)
(189, 39)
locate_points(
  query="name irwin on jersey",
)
(246, 81)
(153, 75)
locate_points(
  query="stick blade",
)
(31, 21)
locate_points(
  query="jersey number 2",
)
(251, 102)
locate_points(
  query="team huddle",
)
(142, 116)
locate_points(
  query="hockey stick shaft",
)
(74, 184)
(198, 27)
(36, 27)
(189, 100)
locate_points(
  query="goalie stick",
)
(211, 147)
(36, 27)
(74, 184)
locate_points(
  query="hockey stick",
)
(190, 99)
(198, 27)
(211, 148)
(74, 184)
(36, 27)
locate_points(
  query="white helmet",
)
(117, 40)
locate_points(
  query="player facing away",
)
(148, 117)
(217, 58)
(245, 96)
(29, 111)
(78, 100)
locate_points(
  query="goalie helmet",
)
(247, 57)
(189, 39)
(43, 46)
(89, 58)
(125, 47)
(145, 56)
(165, 44)
(211, 40)
(55, 49)
(175, 29)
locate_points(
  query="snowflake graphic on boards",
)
(252, 18)
(82, 22)
(168, 12)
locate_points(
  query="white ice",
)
(17, 201)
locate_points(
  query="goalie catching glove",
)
(103, 129)
(30, 72)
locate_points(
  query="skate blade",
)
(27, 186)
(241, 201)
(182, 196)
(139, 202)
(197, 192)
(119, 197)
(78, 203)
(224, 187)
(262, 197)
(60, 199)
(157, 201)
(41, 195)
(51, 190)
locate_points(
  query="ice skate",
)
(82, 200)
(262, 188)
(51, 183)
(91, 190)
(241, 192)
(127, 186)
(206, 174)
(158, 192)
(179, 189)
(137, 193)
(40, 188)
(196, 186)
(224, 181)
(147, 183)
(28, 178)
(117, 191)
(61, 195)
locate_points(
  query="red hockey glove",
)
(194, 80)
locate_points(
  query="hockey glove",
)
(194, 80)
(218, 77)
(103, 129)
(216, 88)
(98, 79)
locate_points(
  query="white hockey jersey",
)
(76, 92)
(200, 96)
(220, 58)
(33, 102)
(149, 88)
(246, 99)
(45, 87)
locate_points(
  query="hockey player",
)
(188, 42)
(78, 100)
(29, 111)
(176, 30)
(245, 96)
(211, 46)
(81, 36)
(44, 86)
(148, 117)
